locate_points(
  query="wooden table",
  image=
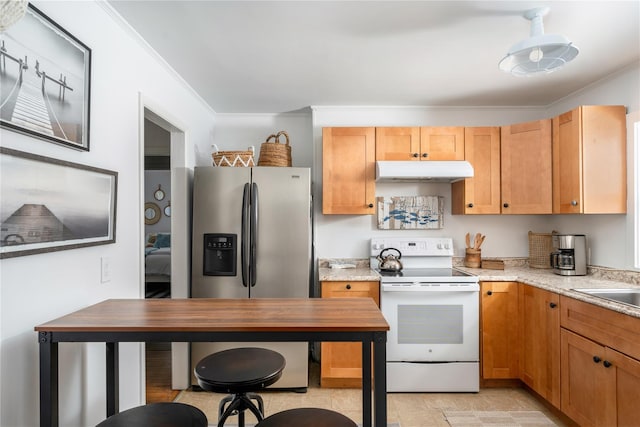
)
(217, 320)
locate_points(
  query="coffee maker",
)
(569, 257)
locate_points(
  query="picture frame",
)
(52, 205)
(410, 212)
(45, 81)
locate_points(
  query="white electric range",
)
(433, 311)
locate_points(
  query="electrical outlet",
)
(105, 269)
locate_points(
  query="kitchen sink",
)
(626, 296)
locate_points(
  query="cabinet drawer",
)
(351, 289)
(607, 327)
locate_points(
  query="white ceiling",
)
(279, 56)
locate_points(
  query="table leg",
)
(366, 384)
(380, 379)
(48, 381)
(113, 378)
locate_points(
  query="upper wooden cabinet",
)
(526, 168)
(348, 170)
(420, 143)
(480, 194)
(589, 160)
(442, 143)
(398, 143)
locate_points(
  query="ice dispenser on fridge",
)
(219, 254)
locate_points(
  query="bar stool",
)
(162, 414)
(239, 372)
(307, 417)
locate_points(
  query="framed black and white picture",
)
(45, 75)
(52, 205)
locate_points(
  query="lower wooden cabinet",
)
(499, 330)
(600, 386)
(582, 358)
(600, 365)
(539, 324)
(341, 362)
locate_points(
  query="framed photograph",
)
(45, 75)
(52, 205)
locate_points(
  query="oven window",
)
(429, 324)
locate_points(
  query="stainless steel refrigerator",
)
(252, 239)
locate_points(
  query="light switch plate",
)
(105, 269)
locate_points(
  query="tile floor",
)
(408, 409)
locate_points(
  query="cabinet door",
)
(499, 302)
(442, 143)
(567, 163)
(626, 371)
(398, 143)
(341, 362)
(586, 390)
(526, 168)
(589, 160)
(480, 194)
(540, 341)
(348, 171)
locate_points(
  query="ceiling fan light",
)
(540, 53)
(536, 54)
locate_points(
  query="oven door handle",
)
(413, 287)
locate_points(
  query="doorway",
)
(164, 184)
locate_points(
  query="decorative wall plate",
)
(151, 213)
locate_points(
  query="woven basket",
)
(238, 159)
(540, 248)
(275, 153)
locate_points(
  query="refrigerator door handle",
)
(245, 236)
(253, 242)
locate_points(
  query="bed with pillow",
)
(157, 258)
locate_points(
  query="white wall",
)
(240, 131)
(38, 288)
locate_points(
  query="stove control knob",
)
(447, 246)
(439, 245)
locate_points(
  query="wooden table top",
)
(220, 315)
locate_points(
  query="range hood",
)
(430, 171)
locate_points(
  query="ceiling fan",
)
(540, 53)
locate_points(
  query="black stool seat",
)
(163, 414)
(239, 371)
(307, 417)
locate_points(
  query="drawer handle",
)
(415, 155)
(370, 205)
(607, 364)
(348, 286)
(470, 205)
(553, 305)
(596, 359)
(489, 293)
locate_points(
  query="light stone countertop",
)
(363, 274)
(541, 278)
